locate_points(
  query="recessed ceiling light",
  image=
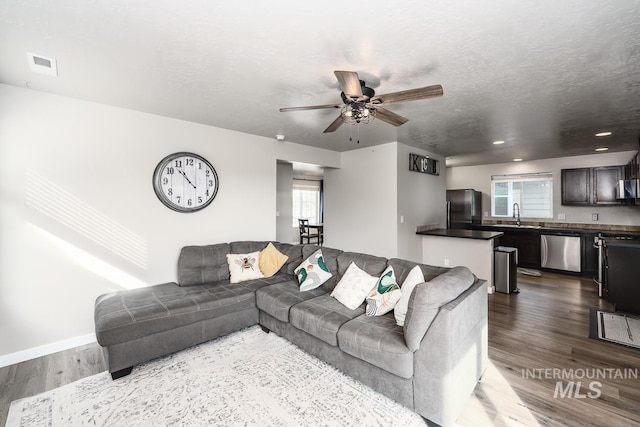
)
(517, 160)
(498, 142)
(604, 133)
(602, 149)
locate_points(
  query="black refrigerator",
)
(464, 208)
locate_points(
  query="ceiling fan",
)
(361, 104)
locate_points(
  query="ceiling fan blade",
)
(389, 116)
(409, 95)
(311, 107)
(334, 125)
(350, 83)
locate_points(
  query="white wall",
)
(79, 216)
(361, 201)
(421, 201)
(284, 202)
(366, 198)
(479, 178)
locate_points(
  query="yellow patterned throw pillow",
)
(244, 266)
(385, 295)
(271, 260)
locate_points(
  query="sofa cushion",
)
(246, 246)
(402, 267)
(198, 265)
(427, 298)
(256, 284)
(322, 317)
(277, 300)
(271, 260)
(294, 252)
(379, 341)
(374, 265)
(127, 315)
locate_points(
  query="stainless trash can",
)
(505, 266)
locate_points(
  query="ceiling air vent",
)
(42, 65)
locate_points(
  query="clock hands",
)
(185, 177)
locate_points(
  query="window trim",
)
(528, 177)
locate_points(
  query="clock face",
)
(185, 182)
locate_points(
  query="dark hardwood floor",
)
(546, 326)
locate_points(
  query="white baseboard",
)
(43, 350)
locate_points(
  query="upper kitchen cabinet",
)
(591, 186)
(576, 186)
(604, 180)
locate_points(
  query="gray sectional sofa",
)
(431, 364)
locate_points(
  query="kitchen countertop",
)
(463, 234)
(594, 228)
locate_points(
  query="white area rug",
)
(248, 378)
(619, 328)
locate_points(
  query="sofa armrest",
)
(452, 356)
(427, 298)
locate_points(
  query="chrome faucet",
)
(516, 205)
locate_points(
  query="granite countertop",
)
(605, 228)
(463, 234)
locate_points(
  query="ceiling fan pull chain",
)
(358, 133)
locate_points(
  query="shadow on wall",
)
(59, 204)
(67, 209)
(87, 261)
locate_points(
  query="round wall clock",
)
(185, 182)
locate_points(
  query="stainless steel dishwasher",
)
(560, 251)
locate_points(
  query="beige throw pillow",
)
(271, 260)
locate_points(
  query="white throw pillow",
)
(414, 277)
(354, 287)
(385, 295)
(244, 266)
(312, 272)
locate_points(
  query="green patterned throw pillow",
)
(312, 272)
(384, 297)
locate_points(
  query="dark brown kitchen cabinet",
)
(528, 244)
(604, 180)
(576, 186)
(589, 258)
(591, 186)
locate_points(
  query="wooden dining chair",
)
(308, 233)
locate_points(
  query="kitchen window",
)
(532, 192)
(307, 201)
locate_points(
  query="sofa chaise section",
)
(141, 324)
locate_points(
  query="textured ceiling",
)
(544, 76)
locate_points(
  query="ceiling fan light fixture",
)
(356, 113)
